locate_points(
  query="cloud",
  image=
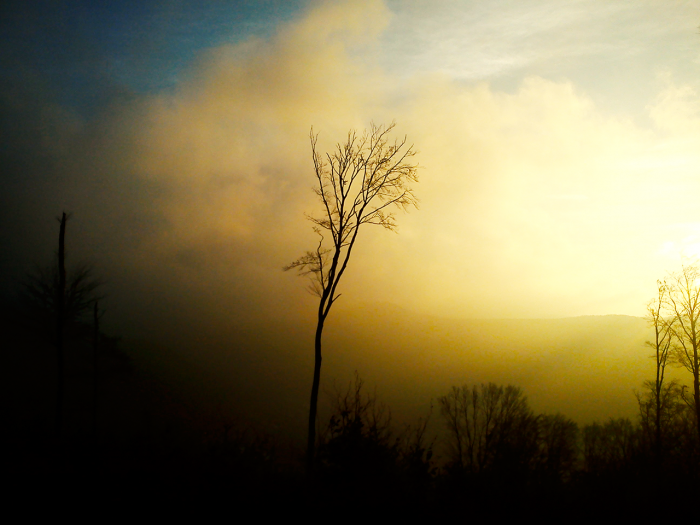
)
(534, 202)
(492, 238)
(230, 142)
(676, 109)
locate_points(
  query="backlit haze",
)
(559, 145)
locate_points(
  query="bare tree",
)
(558, 447)
(610, 447)
(361, 182)
(683, 303)
(490, 427)
(60, 298)
(359, 437)
(655, 405)
(42, 299)
(60, 320)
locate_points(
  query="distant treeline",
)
(81, 419)
(137, 441)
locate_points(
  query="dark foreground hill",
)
(208, 412)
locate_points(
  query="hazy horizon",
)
(557, 148)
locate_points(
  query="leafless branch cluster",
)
(361, 182)
(663, 325)
(683, 306)
(356, 412)
(483, 421)
(41, 290)
(676, 319)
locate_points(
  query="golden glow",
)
(534, 202)
(549, 185)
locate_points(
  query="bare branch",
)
(357, 183)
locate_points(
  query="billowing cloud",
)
(231, 144)
(534, 202)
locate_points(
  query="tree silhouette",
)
(359, 183)
(57, 298)
(358, 443)
(490, 428)
(558, 447)
(683, 304)
(361, 459)
(611, 447)
(656, 402)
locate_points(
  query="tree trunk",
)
(696, 393)
(60, 316)
(657, 431)
(95, 378)
(311, 442)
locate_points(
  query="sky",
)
(557, 143)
